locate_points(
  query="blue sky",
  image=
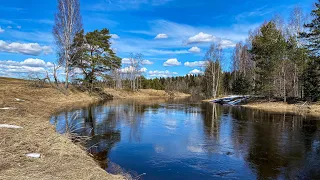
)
(173, 35)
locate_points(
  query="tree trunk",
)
(67, 75)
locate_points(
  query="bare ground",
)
(31, 108)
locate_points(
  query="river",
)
(185, 139)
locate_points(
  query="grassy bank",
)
(143, 93)
(304, 108)
(312, 109)
(30, 108)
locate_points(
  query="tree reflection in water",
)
(200, 140)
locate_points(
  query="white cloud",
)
(163, 52)
(30, 62)
(131, 69)
(143, 70)
(161, 36)
(172, 62)
(128, 69)
(19, 27)
(9, 27)
(157, 73)
(1, 30)
(227, 43)
(201, 38)
(195, 50)
(179, 36)
(143, 62)
(126, 61)
(146, 62)
(16, 69)
(24, 48)
(195, 71)
(115, 36)
(195, 64)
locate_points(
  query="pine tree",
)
(312, 43)
(268, 48)
(312, 80)
(312, 36)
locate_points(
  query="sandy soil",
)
(60, 158)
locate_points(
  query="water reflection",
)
(179, 139)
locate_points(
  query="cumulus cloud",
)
(131, 69)
(143, 70)
(161, 36)
(1, 30)
(201, 38)
(30, 65)
(157, 73)
(163, 52)
(196, 71)
(227, 43)
(115, 36)
(207, 38)
(126, 61)
(30, 62)
(195, 64)
(24, 48)
(194, 50)
(146, 62)
(172, 62)
(143, 62)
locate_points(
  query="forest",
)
(279, 59)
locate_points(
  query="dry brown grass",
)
(60, 158)
(143, 93)
(300, 108)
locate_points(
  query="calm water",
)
(169, 139)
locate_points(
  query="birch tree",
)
(68, 23)
(213, 70)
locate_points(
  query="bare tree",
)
(68, 23)
(296, 22)
(213, 70)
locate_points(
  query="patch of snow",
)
(8, 108)
(10, 126)
(33, 155)
(17, 99)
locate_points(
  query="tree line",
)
(278, 59)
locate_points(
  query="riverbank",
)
(304, 108)
(30, 108)
(143, 94)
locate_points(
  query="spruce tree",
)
(268, 48)
(312, 36)
(312, 43)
